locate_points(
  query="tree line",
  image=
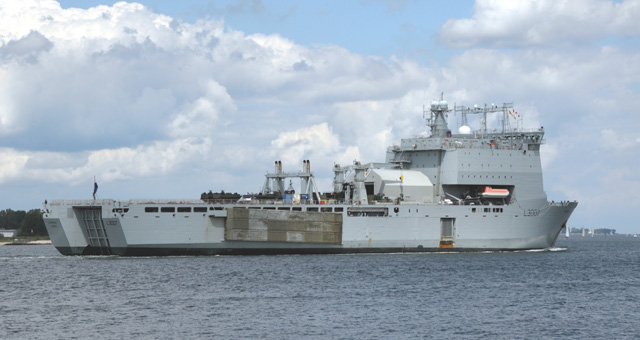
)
(28, 223)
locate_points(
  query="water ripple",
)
(580, 289)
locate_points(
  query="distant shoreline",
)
(20, 243)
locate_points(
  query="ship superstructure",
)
(463, 191)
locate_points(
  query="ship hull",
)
(110, 227)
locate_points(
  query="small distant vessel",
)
(583, 232)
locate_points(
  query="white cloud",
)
(6, 111)
(11, 164)
(613, 140)
(548, 153)
(160, 157)
(613, 193)
(126, 71)
(112, 89)
(500, 23)
(312, 142)
(200, 117)
(105, 71)
(372, 126)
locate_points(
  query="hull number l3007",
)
(532, 212)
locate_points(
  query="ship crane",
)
(360, 172)
(275, 182)
(359, 190)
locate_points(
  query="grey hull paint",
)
(391, 234)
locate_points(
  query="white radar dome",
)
(464, 130)
(443, 104)
(435, 105)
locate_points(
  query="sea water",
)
(582, 288)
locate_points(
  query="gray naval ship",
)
(464, 191)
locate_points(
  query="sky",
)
(169, 99)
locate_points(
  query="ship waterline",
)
(445, 192)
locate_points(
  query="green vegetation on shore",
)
(28, 223)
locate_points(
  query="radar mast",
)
(438, 117)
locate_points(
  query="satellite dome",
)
(443, 104)
(464, 130)
(434, 105)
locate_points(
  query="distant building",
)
(8, 232)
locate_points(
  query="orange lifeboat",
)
(490, 192)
